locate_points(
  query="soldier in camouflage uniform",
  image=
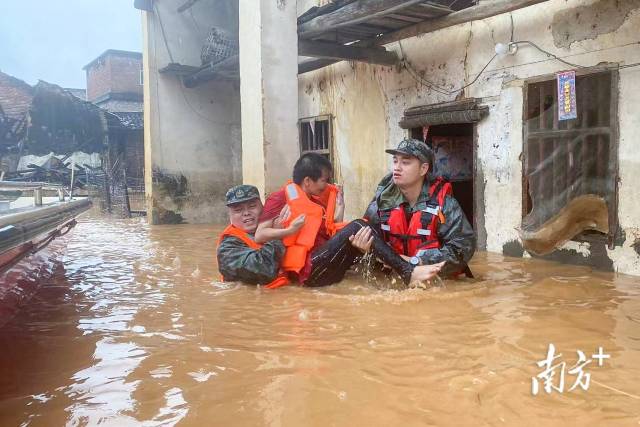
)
(237, 261)
(410, 187)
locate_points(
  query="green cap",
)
(414, 148)
(241, 193)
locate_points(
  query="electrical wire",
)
(407, 65)
(439, 89)
(549, 54)
(434, 86)
(164, 36)
(619, 67)
(195, 22)
(184, 95)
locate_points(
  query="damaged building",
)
(528, 105)
(45, 129)
(45, 120)
(114, 83)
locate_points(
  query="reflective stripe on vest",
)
(299, 244)
(421, 232)
(328, 199)
(233, 231)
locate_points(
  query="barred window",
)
(565, 160)
(315, 135)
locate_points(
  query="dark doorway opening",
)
(453, 146)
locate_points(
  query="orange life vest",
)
(233, 231)
(300, 244)
(422, 230)
(328, 199)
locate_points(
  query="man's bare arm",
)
(266, 230)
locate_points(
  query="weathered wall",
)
(269, 97)
(98, 78)
(192, 136)
(253, 167)
(15, 96)
(125, 74)
(360, 130)
(452, 57)
(114, 73)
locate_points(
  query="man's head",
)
(244, 206)
(312, 172)
(412, 161)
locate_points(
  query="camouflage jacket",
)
(238, 262)
(458, 241)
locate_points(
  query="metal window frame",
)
(614, 237)
(323, 117)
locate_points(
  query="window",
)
(141, 77)
(564, 160)
(315, 135)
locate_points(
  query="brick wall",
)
(113, 73)
(98, 79)
(15, 96)
(125, 74)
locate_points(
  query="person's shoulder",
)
(230, 242)
(451, 203)
(384, 182)
(276, 195)
(273, 204)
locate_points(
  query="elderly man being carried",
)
(319, 251)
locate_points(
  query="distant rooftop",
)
(78, 93)
(114, 52)
(132, 120)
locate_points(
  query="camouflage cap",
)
(241, 193)
(414, 148)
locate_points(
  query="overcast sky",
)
(52, 40)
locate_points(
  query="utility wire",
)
(444, 91)
(184, 95)
(571, 64)
(434, 86)
(164, 36)
(549, 54)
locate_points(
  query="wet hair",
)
(310, 165)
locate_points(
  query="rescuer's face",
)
(245, 215)
(408, 170)
(316, 188)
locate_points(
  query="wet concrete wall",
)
(368, 101)
(192, 136)
(269, 97)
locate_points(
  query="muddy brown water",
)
(133, 329)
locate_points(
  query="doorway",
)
(453, 147)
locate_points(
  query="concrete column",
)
(37, 197)
(268, 91)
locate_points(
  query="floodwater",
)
(133, 329)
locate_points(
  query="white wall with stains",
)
(269, 92)
(192, 135)
(367, 102)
